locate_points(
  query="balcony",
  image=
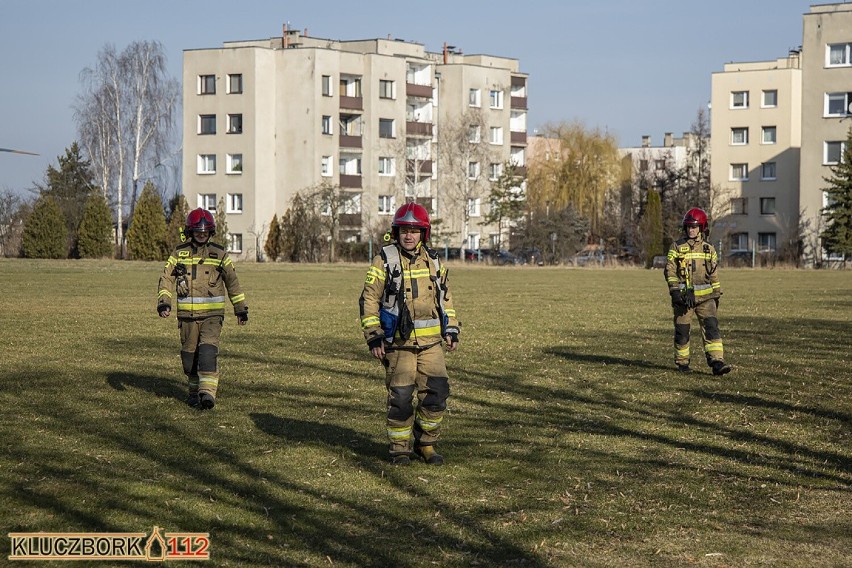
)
(518, 137)
(519, 81)
(521, 171)
(347, 141)
(350, 220)
(352, 103)
(418, 128)
(350, 180)
(425, 166)
(422, 91)
(518, 103)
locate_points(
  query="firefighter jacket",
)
(425, 296)
(691, 265)
(197, 278)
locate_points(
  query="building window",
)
(766, 242)
(472, 170)
(207, 84)
(474, 98)
(325, 167)
(643, 165)
(739, 172)
(767, 206)
(349, 165)
(659, 165)
(473, 133)
(235, 242)
(473, 207)
(739, 242)
(739, 206)
(386, 89)
(496, 135)
(495, 99)
(770, 99)
(837, 54)
(234, 203)
(207, 201)
(739, 136)
(833, 152)
(767, 171)
(768, 135)
(207, 163)
(386, 166)
(326, 124)
(207, 124)
(495, 171)
(235, 83)
(386, 205)
(837, 104)
(739, 99)
(233, 163)
(473, 241)
(235, 124)
(327, 86)
(386, 128)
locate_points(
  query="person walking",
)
(692, 276)
(407, 314)
(200, 273)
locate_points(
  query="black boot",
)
(429, 455)
(207, 401)
(720, 367)
(684, 368)
(400, 458)
(193, 400)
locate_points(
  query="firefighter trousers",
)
(199, 353)
(420, 374)
(711, 336)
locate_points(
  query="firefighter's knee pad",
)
(207, 355)
(437, 392)
(711, 328)
(399, 403)
(682, 334)
(189, 362)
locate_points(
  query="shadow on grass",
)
(303, 432)
(158, 386)
(574, 355)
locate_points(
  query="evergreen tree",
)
(651, 228)
(45, 232)
(70, 185)
(94, 235)
(146, 237)
(506, 200)
(837, 237)
(221, 236)
(177, 221)
(273, 240)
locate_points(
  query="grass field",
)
(569, 439)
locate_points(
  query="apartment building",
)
(380, 121)
(646, 165)
(756, 136)
(826, 106)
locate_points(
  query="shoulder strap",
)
(393, 275)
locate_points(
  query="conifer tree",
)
(146, 237)
(177, 220)
(652, 228)
(70, 185)
(94, 235)
(221, 236)
(45, 233)
(837, 237)
(273, 240)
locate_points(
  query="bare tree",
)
(126, 117)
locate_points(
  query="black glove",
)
(375, 342)
(454, 337)
(163, 307)
(242, 317)
(690, 299)
(677, 298)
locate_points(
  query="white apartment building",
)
(265, 119)
(756, 136)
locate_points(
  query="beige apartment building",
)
(756, 136)
(826, 110)
(380, 121)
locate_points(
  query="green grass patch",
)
(569, 439)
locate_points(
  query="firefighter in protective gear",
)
(693, 281)
(406, 315)
(200, 273)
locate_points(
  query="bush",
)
(45, 233)
(94, 235)
(146, 238)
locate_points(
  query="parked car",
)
(739, 258)
(588, 257)
(504, 257)
(659, 261)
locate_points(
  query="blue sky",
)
(633, 67)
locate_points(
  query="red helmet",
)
(200, 220)
(695, 217)
(411, 215)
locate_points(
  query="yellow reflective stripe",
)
(682, 352)
(377, 272)
(208, 381)
(717, 285)
(399, 433)
(713, 346)
(164, 293)
(171, 261)
(369, 321)
(428, 425)
(704, 292)
(672, 254)
(697, 256)
(228, 262)
(188, 306)
(425, 331)
(238, 298)
(419, 273)
(450, 313)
